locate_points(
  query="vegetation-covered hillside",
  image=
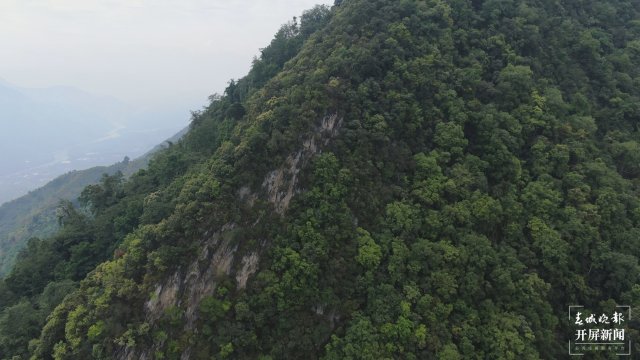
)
(409, 179)
(34, 214)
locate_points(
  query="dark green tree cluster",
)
(482, 177)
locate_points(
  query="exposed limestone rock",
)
(246, 195)
(281, 183)
(165, 295)
(187, 287)
(249, 266)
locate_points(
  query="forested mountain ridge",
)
(393, 179)
(35, 214)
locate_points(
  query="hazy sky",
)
(142, 51)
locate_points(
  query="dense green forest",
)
(34, 214)
(393, 179)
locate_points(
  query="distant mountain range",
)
(50, 131)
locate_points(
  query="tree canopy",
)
(392, 180)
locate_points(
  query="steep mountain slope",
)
(393, 179)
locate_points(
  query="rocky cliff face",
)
(281, 184)
(218, 254)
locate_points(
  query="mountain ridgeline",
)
(407, 179)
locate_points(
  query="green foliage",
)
(20, 323)
(34, 215)
(481, 175)
(360, 342)
(213, 309)
(369, 253)
(100, 196)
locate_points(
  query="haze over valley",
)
(160, 59)
(50, 131)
